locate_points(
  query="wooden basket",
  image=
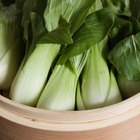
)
(116, 122)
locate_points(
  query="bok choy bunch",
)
(79, 54)
(64, 79)
(11, 45)
(36, 64)
(86, 36)
(42, 52)
(124, 54)
(98, 86)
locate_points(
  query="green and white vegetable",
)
(98, 85)
(70, 54)
(64, 79)
(36, 67)
(11, 45)
(128, 88)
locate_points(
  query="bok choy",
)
(70, 54)
(64, 79)
(124, 53)
(11, 45)
(98, 85)
(42, 53)
(127, 87)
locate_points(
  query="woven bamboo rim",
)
(70, 120)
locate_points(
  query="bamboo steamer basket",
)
(120, 121)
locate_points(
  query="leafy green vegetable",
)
(59, 93)
(29, 82)
(73, 49)
(128, 88)
(125, 56)
(121, 29)
(61, 35)
(96, 6)
(41, 53)
(122, 6)
(98, 84)
(37, 6)
(95, 28)
(37, 61)
(71, 10)
(81, 14)
(11, 45)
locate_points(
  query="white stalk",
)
(59, 93)
(29, 82)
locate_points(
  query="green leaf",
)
(122, 6)
(71, 10)
(57, 8)
(96, 6)
(95, 28)
(10, 29)
(125, 56)
(61, 35)
(11, 45)
(124, 27)
(80, 15)
(36, 6)
(78, 62)
(121, 29)
(128, 88)
(34, 29)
